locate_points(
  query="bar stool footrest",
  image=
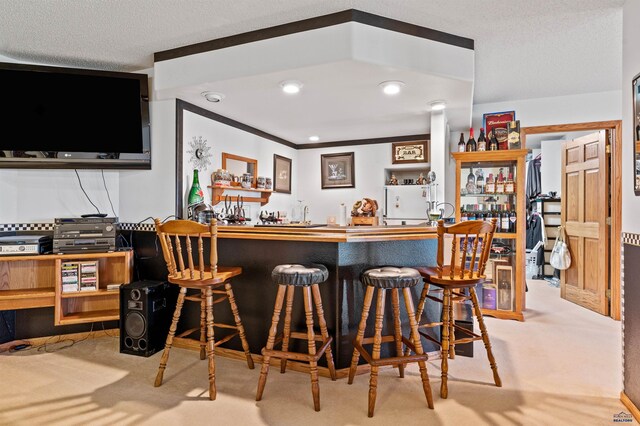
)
(396, 360)
(298, 356)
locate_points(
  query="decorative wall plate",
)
(200, 153)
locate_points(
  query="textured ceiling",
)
(524, 49)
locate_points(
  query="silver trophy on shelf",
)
(435, 213)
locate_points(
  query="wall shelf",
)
(217, 194)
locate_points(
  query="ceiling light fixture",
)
(291, 87)
(213, 96)
(391, 87)
(314, 138)
(438, 105)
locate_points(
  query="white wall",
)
(145, 193)
(223, 138)
(551, 166)
(41, 195)
(582, 108)
(630, 67)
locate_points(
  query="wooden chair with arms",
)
(208, 280)
(474, 238)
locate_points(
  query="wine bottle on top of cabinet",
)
(482, 141)
(462, 146)
(493, 143)
(471, 143)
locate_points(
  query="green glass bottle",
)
(196, 196)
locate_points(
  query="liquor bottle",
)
(196, 196)
(482, 142)
(504, 222)
(471, 143)
(512, 221)
(509, 185)
(462, 147)
(493, 143)
(463, 216)
(500, 183)
(490, 186)
(513, 135)
(471, 182)
(479, 181)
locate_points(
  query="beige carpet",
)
(561, 366)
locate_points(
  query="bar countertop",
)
(334, 234)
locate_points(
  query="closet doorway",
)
(579, 279)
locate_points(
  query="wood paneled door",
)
(585, 209)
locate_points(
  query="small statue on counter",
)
(393, 180)
(366, 207)
(421, 180)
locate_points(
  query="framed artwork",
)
(496, 123)
(636, 134)
(281, 174)
(506, 291)
(409, 152)
(337, 170)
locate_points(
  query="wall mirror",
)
(636, 134)
(237, 166)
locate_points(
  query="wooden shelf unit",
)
(514, 160)
(217, 194)
(34, 281)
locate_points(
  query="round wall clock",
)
(200, 153)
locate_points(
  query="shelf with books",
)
(81, 287)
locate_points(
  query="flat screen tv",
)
(54, 117)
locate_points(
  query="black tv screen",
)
(69, 118)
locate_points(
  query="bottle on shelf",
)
(510, 185)
(471, 182)
(500, 183)
(479, 181)
(512, 221)
(493, 143)
(462, 146)
(490, 186)
(196, 196)
(482, 141)
(504, 222)
(471, 143)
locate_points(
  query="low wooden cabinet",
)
(35, 282)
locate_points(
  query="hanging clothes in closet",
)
(534, 180)
(536, 233)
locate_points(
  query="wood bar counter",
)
(345, 251)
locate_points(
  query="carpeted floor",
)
(561, 366)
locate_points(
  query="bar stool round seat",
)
(391, 277)
(381, 280)
(300, 275)
(288, 277)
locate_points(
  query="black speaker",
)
(146, 309)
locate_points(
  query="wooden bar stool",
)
(208, 280)
(288, 277)
(473, 239)
(394, 279)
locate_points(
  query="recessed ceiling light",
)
(391, 87)
(291, 87)
(314, 138)
(213, 96)
(438, 105)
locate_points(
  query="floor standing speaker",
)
(146, 309)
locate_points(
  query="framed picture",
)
(636, 133)
(410, 152)
(504, 281)
(496, 123)
(281, 174)
(337, 170)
